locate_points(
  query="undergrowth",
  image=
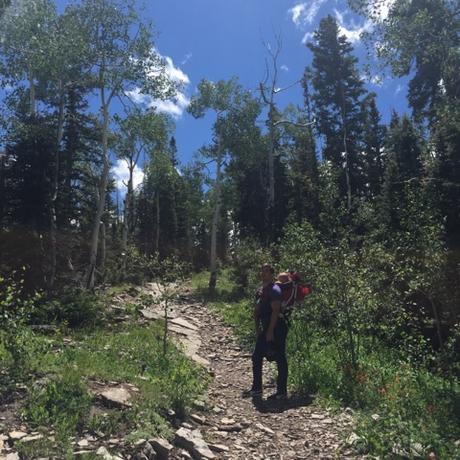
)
(403, 410)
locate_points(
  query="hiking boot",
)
(277, 397)
(252, 393)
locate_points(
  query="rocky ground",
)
(225, 425)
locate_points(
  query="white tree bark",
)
(90, 278)
(215, 218)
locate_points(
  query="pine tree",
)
(373, 133)
(336, 104)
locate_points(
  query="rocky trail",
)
(224, 425)
(232, 427)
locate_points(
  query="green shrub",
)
(247, 258)
(15, 337)
(72, 307)
(62, 403)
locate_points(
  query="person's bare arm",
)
(276, 309)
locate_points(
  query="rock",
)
(118, 397)
(140, 456)
(375, 417)
(228, 421)
(193, 442)
(184, 323)
(185, 454)
(149, 452)
(148, 313)
(264, 428)
(187, 425)
(104, 453)
(12, 456)
(231, 428)
(162, 447)
(353, 439)
(83, 443)
(16, 435)
(219, 448)
(198, 419)
(32, 438)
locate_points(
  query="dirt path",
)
(256, 428)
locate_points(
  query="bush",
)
(247, 258)
(72, 307)
(15, 311)
(62, 403)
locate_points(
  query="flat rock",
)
(193, 442)
(162, 447)
(31, 438)
(148, 313)
(116, 397)
(219, 448)
(198, 419)
(16, 435)
(184, 323)
(12, 456)
(264, 428)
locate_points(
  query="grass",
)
(126, 352)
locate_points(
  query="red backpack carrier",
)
(293, 291)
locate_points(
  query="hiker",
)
(271, 330)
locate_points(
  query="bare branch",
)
(293, 123)
(279, 90)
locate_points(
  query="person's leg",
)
(281, 360)
(257, 362)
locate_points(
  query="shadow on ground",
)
(265, 406)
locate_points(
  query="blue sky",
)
(217, 39)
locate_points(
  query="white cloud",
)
(305, 13)
(398, 89)
(296, 13)
(352, 31)
(382, 9)
(121, 173)
(285, 68)
(174, 73)
(307, 37)
(174, 106)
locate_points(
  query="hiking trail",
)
(234, 427)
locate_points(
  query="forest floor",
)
(221, 425)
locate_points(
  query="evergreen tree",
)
(373, 133)
(403, 168)
(336, 104)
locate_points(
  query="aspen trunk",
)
(90, 278)
(53, 218)
(127, 220)
(215, 220)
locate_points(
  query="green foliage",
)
(247, 258)
(63, 403)
(72, 307)
(15, 310)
